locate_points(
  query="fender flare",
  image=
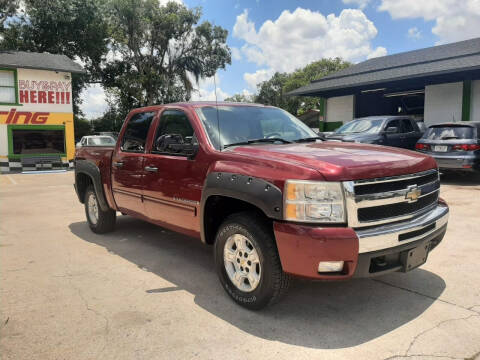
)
(90, 169)
(258, 192)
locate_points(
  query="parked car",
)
(455, 146)
(108, 133)
(396, 131)
(272, 199)
(96, 140)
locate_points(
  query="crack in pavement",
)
(415, 338)
(69, 276)
(427, 296)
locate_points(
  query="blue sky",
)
(267, 36)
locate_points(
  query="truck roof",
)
(187, 104)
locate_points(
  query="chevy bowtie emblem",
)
(413, 193)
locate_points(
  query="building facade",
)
(36, 111)
(437, 84)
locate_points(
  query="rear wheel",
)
(99, 221)
(247, 262)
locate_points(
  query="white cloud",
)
(298, 38)
(252, 79)
(362, 4)
(379, 51)
(454, 20)
(94, 101)
(414, 33)
(236, 54)
(205, 90)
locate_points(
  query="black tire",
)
(106, 219)
(273, 283)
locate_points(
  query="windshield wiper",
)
(308, 139)
(449, 137)
(262, 140)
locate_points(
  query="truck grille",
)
(380, 201)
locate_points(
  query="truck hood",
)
(337, 161)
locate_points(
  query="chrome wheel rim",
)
(242, 263)
(93, 209)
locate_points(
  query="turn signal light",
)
(466, 147)
(420, 146)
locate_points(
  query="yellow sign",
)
(32, 118)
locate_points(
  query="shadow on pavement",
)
(313, 314)
(460, 178)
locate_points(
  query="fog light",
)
(330, 266)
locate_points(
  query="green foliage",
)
(241, 98)
(158, 51)
(75, 28)
(110, 121)
(273, 91)
(81, 127)
(7, 8)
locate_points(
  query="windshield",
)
(99, 141)
(449, 132)
(244, 123)
(367, 126)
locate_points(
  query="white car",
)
(96, 140)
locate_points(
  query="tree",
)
(8, 8)
(273, 91)
(159, 51)
(241, 98)
(75, 28)
(108, 122)
(81, 128)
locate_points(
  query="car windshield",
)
(368, 126)
(102, 141)
(448, 133)
(238, 124)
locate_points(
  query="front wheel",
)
(99, 221)
(247, 262)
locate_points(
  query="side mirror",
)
(391, 130)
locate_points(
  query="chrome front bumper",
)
(388, 236)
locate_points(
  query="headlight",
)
(313, 201)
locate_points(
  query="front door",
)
(127, 164)
(410, 133)
(394, 139)
(173, 179)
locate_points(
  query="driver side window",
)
(396, 124)
(173, 134)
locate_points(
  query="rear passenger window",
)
(136, 133)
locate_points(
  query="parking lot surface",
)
(143, 292)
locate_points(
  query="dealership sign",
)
(44, 92)
(23, 117)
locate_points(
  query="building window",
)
(32, 141)
(7, 87)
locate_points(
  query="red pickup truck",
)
(272, 198)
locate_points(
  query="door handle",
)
(118, 163)
(151, 168)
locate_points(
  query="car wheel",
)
(247, 262)
(99, 221)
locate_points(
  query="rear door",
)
(127, 164)
(173, 180)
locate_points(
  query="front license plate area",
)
(416, 257)
(440, 148)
